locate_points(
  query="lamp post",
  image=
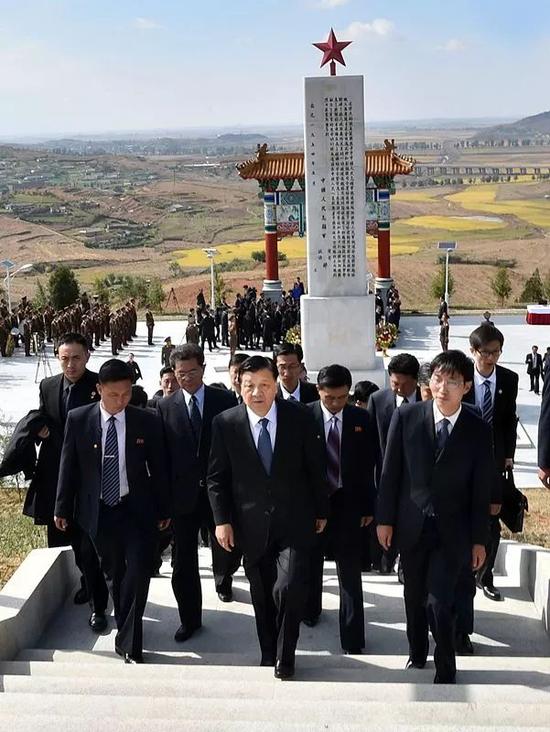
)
(9, 265)
(447, 247)
(211, 253)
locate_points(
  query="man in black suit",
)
(75, 386)
(168, 386)
(288, 358)
(544, 436)
(235, 363)
(269, 493)
(403, 389)
(112, 483)
(349, 465)
(187, 423)
(433, 503)
(534, 368)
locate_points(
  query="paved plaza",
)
(419, 335)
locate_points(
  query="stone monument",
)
(337, 314)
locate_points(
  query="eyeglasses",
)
(438, 383)
(187, 374)
(490, 354)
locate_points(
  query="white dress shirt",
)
(120, 425)
(438, 417)
(199, 396)
(410, 399)
(327, 420)
(479, 380)
(286, 394)
(255, 426)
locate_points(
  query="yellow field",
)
(294, 247)
(452, 223)
(414, 196)
(483, 198)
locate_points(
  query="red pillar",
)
(384, 256)
(271, 256)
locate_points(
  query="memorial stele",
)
(337, 314)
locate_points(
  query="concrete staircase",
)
(73, 680)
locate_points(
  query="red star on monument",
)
(332, 51)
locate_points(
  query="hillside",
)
(538, 125)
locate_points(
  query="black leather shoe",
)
(81, 597)
(352, 651)
(491, 593)
(311, 622)
(463, 645)
(284, 670)
(414, 664)
(226, 596)
(98, 622)
(182, 634)
(129, 657)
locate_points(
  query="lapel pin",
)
(95, 446)
(500, 391)
(140, 441)
(358, 428)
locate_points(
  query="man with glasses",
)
(288, 359)
(433, 503)
(187, 421)
(494, 394)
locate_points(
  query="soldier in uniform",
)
(150, 322)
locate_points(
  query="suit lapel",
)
(245, 434)
(182, 415)
(94, 431)
(283, 438)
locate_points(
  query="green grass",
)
(18, 535)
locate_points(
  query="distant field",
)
(455, 223)
(484, 198)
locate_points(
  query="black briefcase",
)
(514, 504)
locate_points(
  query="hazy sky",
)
(77, 66)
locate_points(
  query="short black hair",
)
(115, 370)
(333, 377)
(484, 334)
(424, 373)
(258, 363)
(363, 390)
(187, 352)
(454, 362)
(139, 396)
(404, 363)
(288, 349)
(237, 359)
(166, 370)
(70, 338)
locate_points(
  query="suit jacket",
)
(79, 485)
(187, 465)
(308, 393)
(356, 457)
(380, 408)
(534, 363)
(40, 498)
(283, 504)
(504, 414)
(544, 427)
(20, 453)
(456, 483)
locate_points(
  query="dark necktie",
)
(487, 405)
(264, 446)
(67, 394)
(442, 435)
(333, 456)
(405, 400)
(110, 478)
(292, 398)
(196, 419)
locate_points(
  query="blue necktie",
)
(110, 478)
(442, 435)
(487, 406)
(333, 456)
(264, 446)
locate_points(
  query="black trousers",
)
(535, 377)
(278, 588)
(186, 581)
(431, 577)
(86, 560)
(125, 545)
(341, 540)
(150, 335)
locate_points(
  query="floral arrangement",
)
(293, 335)
(386, 336)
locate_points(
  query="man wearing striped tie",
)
(112, 483)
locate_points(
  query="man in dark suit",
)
(75, 386)
(112, 483)
(349, 465)
(433, 503)
(544, 436)
(403, 389)
(269, 493)
(534, 368)
(168, 386)
(235, 363)
(187, 423)
(288, 358)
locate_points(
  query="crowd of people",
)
(277, 473)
